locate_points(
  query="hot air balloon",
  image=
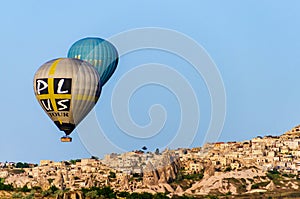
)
(98, 52)
(67, 89)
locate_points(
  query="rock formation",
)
(150, 175)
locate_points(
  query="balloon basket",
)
(66, 139)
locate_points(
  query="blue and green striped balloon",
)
(98, 52)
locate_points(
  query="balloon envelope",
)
(98, 52)
(67, 89)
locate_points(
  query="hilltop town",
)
(269, 165)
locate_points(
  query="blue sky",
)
(255, 45)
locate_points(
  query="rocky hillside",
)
(173, 182)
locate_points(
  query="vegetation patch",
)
(5, 187)
(240, 184)
(260, 185)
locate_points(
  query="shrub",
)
(92, 194)
(29, 196)
(259, 185)
(6, 187)
(37, 188)
(160, 196)
(53, 188)
(254, 186)
(212, 197)
(50, 191)
(123, 194)
(288, 175)
(105, 192)
(228, 169)
(25, 189)
(197, 176)
(144, 195)
(17, 195)
(136, 175)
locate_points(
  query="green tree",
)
(17, 195)
(37, 188)
(105, 192)
(92, 194)
(5, 187)
(212, 197)
(140, 196)
(160, 196)
(95, 157)
(73, 161)
(136, 175)
(156, 151)
(112, 174)
(228, 169)
(29, 196)
(22, 165)
(50, 180)
(53, 188)
(123, 194)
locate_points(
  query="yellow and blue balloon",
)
(99, 52)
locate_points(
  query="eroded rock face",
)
(179, 190)
(210, 170)
(163, 178)
(43, 183)
(271, 186)
(150, 175)
(125, 182)
(225, 182)
(162, 172)
(59, 181)
(4, 174)
(18, 181)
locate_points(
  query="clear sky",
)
(255, 45)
